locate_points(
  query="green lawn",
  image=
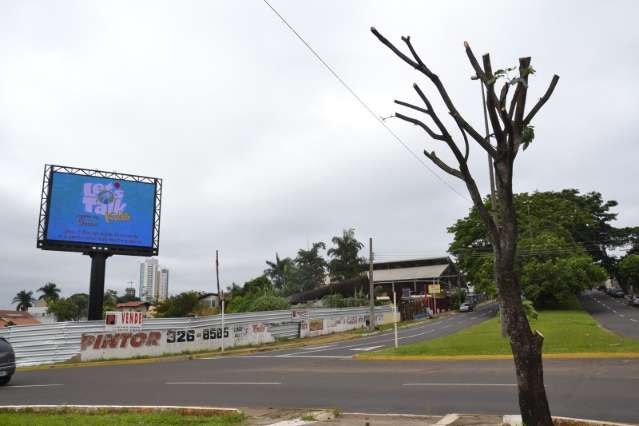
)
(568, 331)
(33, 419)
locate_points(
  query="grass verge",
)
(52, 419)
(567, 332)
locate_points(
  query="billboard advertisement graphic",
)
(98, 210)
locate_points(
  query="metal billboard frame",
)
(109, 249)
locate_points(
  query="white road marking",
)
(614, 312)
(35, 386)
(223, 383)
(366, 348)
(294, 422)
(634, 320)
(317, 347)
(459, 384)
(622, 315)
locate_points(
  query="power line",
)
(362, 103)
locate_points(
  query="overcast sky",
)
(262, 151)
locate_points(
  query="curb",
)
(99, 409)
(515, 420)
(582, 355)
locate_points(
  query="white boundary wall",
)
(89, 340)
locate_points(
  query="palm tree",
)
(24, 299)
(50, 291)
(345, 262)
(279, 271)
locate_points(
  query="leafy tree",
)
(280, 271)
(345, 262)
(268, 302)
(181, 305)
(24, 300)
(554, 282)
(629, 271)
(310, 270)
(50, 291)
(257, 285)
(512, 129)
(127, 298)
(110, 300)
(552, 225)
(73, 308)
(63, 309)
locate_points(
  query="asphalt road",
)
(602, 389)
(445, 325)
(328, 377)
(614, 314)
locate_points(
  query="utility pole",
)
(371, 292)
(220, 294)
(493, 195)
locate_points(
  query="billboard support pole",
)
(96, 289)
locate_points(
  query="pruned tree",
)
(511, 131)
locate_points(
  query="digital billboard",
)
(85, 209)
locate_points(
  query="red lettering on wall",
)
(110, 340)
(124, 339)
(87, 340)
(138, 339)
(154, 338)
(98, 341)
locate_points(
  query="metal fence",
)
(58, 342)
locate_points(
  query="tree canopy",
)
(73, 308)
(629, 271)
(345, 261)
(24, 300)
(180, 305)
(50, 291)
(563, 230)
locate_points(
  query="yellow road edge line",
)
(576, 355)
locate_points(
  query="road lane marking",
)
(459, 384)
(34, 386)
(317, 347)
(294, 422)
(634, 320)
(366, 348)
(223, 383)
(622, 315)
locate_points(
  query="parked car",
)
(617, 292)
(7, 361)
(466, 307)
(634, 301)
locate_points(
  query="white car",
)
(465, 307)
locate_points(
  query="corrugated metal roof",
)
(415, 273)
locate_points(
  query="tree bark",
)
(526, 346)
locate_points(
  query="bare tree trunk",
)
(526, 346)
(510, 124)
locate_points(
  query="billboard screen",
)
(86, 208)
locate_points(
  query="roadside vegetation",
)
(111, 419)
(566, 331)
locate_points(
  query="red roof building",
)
(137, 306)
(8, 318)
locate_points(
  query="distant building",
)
(163, 288)
(154, 282)
(40, 311)
(129, 291)
(210, 300)
(9, 318)
(137, 306)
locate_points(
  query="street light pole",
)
(493, 195)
